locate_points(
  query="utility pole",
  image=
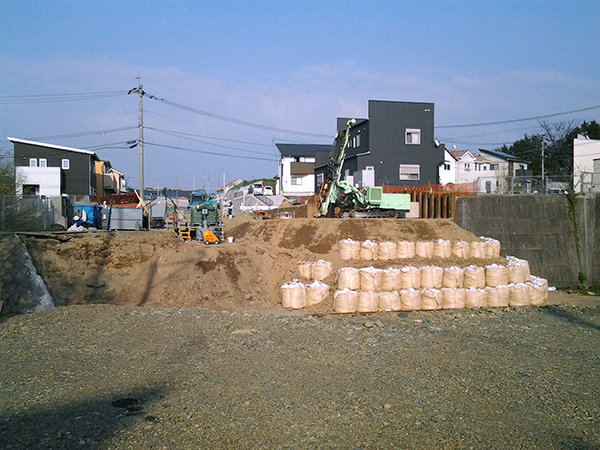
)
(139, 90)
(543, 178)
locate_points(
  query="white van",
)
(256, 189)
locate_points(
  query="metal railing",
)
(547, 185)
(26, 213)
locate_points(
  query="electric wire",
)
(86, 133)
(55, 98)
(181, 134)
(208, 152)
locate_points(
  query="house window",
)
(296, 181)
(494, 167)
(446, 166)
(32, 162)
(65, 164)
(357, 141)
(410, 171)
(467, 166)
(320, 178)
(43, 162)
(413, 136)
(302, 159)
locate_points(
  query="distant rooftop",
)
(302, 149)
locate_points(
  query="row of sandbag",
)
(409, 277)
(296, 295)
(368, 250)
(520, 294)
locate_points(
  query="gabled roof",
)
(301, 149)
(56, 147)
(503, 155)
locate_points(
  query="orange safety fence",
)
(456, 189)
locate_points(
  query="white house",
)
(297, 168)
(586, 163)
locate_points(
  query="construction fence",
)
(27, 213)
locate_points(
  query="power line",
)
(209, 153)
(55, 98)
(182, 134)
(85, 133)
(235, 121)
(520, 120)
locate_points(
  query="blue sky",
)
(293, 65)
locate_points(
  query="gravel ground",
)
(107, 377)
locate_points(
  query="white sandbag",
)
(349, 249)
(345, 301)
(410, 277)
(453, 277)
(490, 248)
(316, 292)
(516, 272)
(424, 249)
(496, 275)
(304, 268)
(431, 299)
(410, 300)
(453, 298)
(386, 251)
(497, 297)
(368, 301)
(368, 250)
(432, 277)
(461, 249)
(476, 298)
(370, 279)
(518, 295)
(522, 262)
(348, 278)
(321, 269)
(476, 249)
(391, 280)
(442, 248)
(389, 301)
(474, 276)
(293, 295)
(405, 249)
(542, 282)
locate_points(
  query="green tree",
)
(7, 175)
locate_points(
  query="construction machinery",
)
(205, 222)
(338, 198)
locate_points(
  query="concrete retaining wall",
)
(538, 229)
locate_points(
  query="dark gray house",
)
(52, 170)
(395, 146)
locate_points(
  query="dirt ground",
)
(155, 268)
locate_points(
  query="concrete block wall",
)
(538, 229)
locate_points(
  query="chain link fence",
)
(27, 213)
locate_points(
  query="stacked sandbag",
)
(431, 299)
(516, 272)
(490, 248)
(442, 248)
(349, 249)
(538, 290)
(523, 263)
(474, 277)
(293, 295)
(405, 249)
(461, 249)
(391, 280)
(305, 269)
(424, 249)
(453, 277)
(368, 250)
(386, 251)
(389, 301)
(316, 292)
(518, 295)
(368, 301)
(410, 300)
(453, 298)
(432, 277)
(495, 275)
(345, 301)
(321, 269)
(348, 278)
(370, 279)
(497, 297)
(476, 298)
(476, 250)
(410, 277)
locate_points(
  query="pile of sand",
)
(156, 269)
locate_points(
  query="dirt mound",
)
(157, 269)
